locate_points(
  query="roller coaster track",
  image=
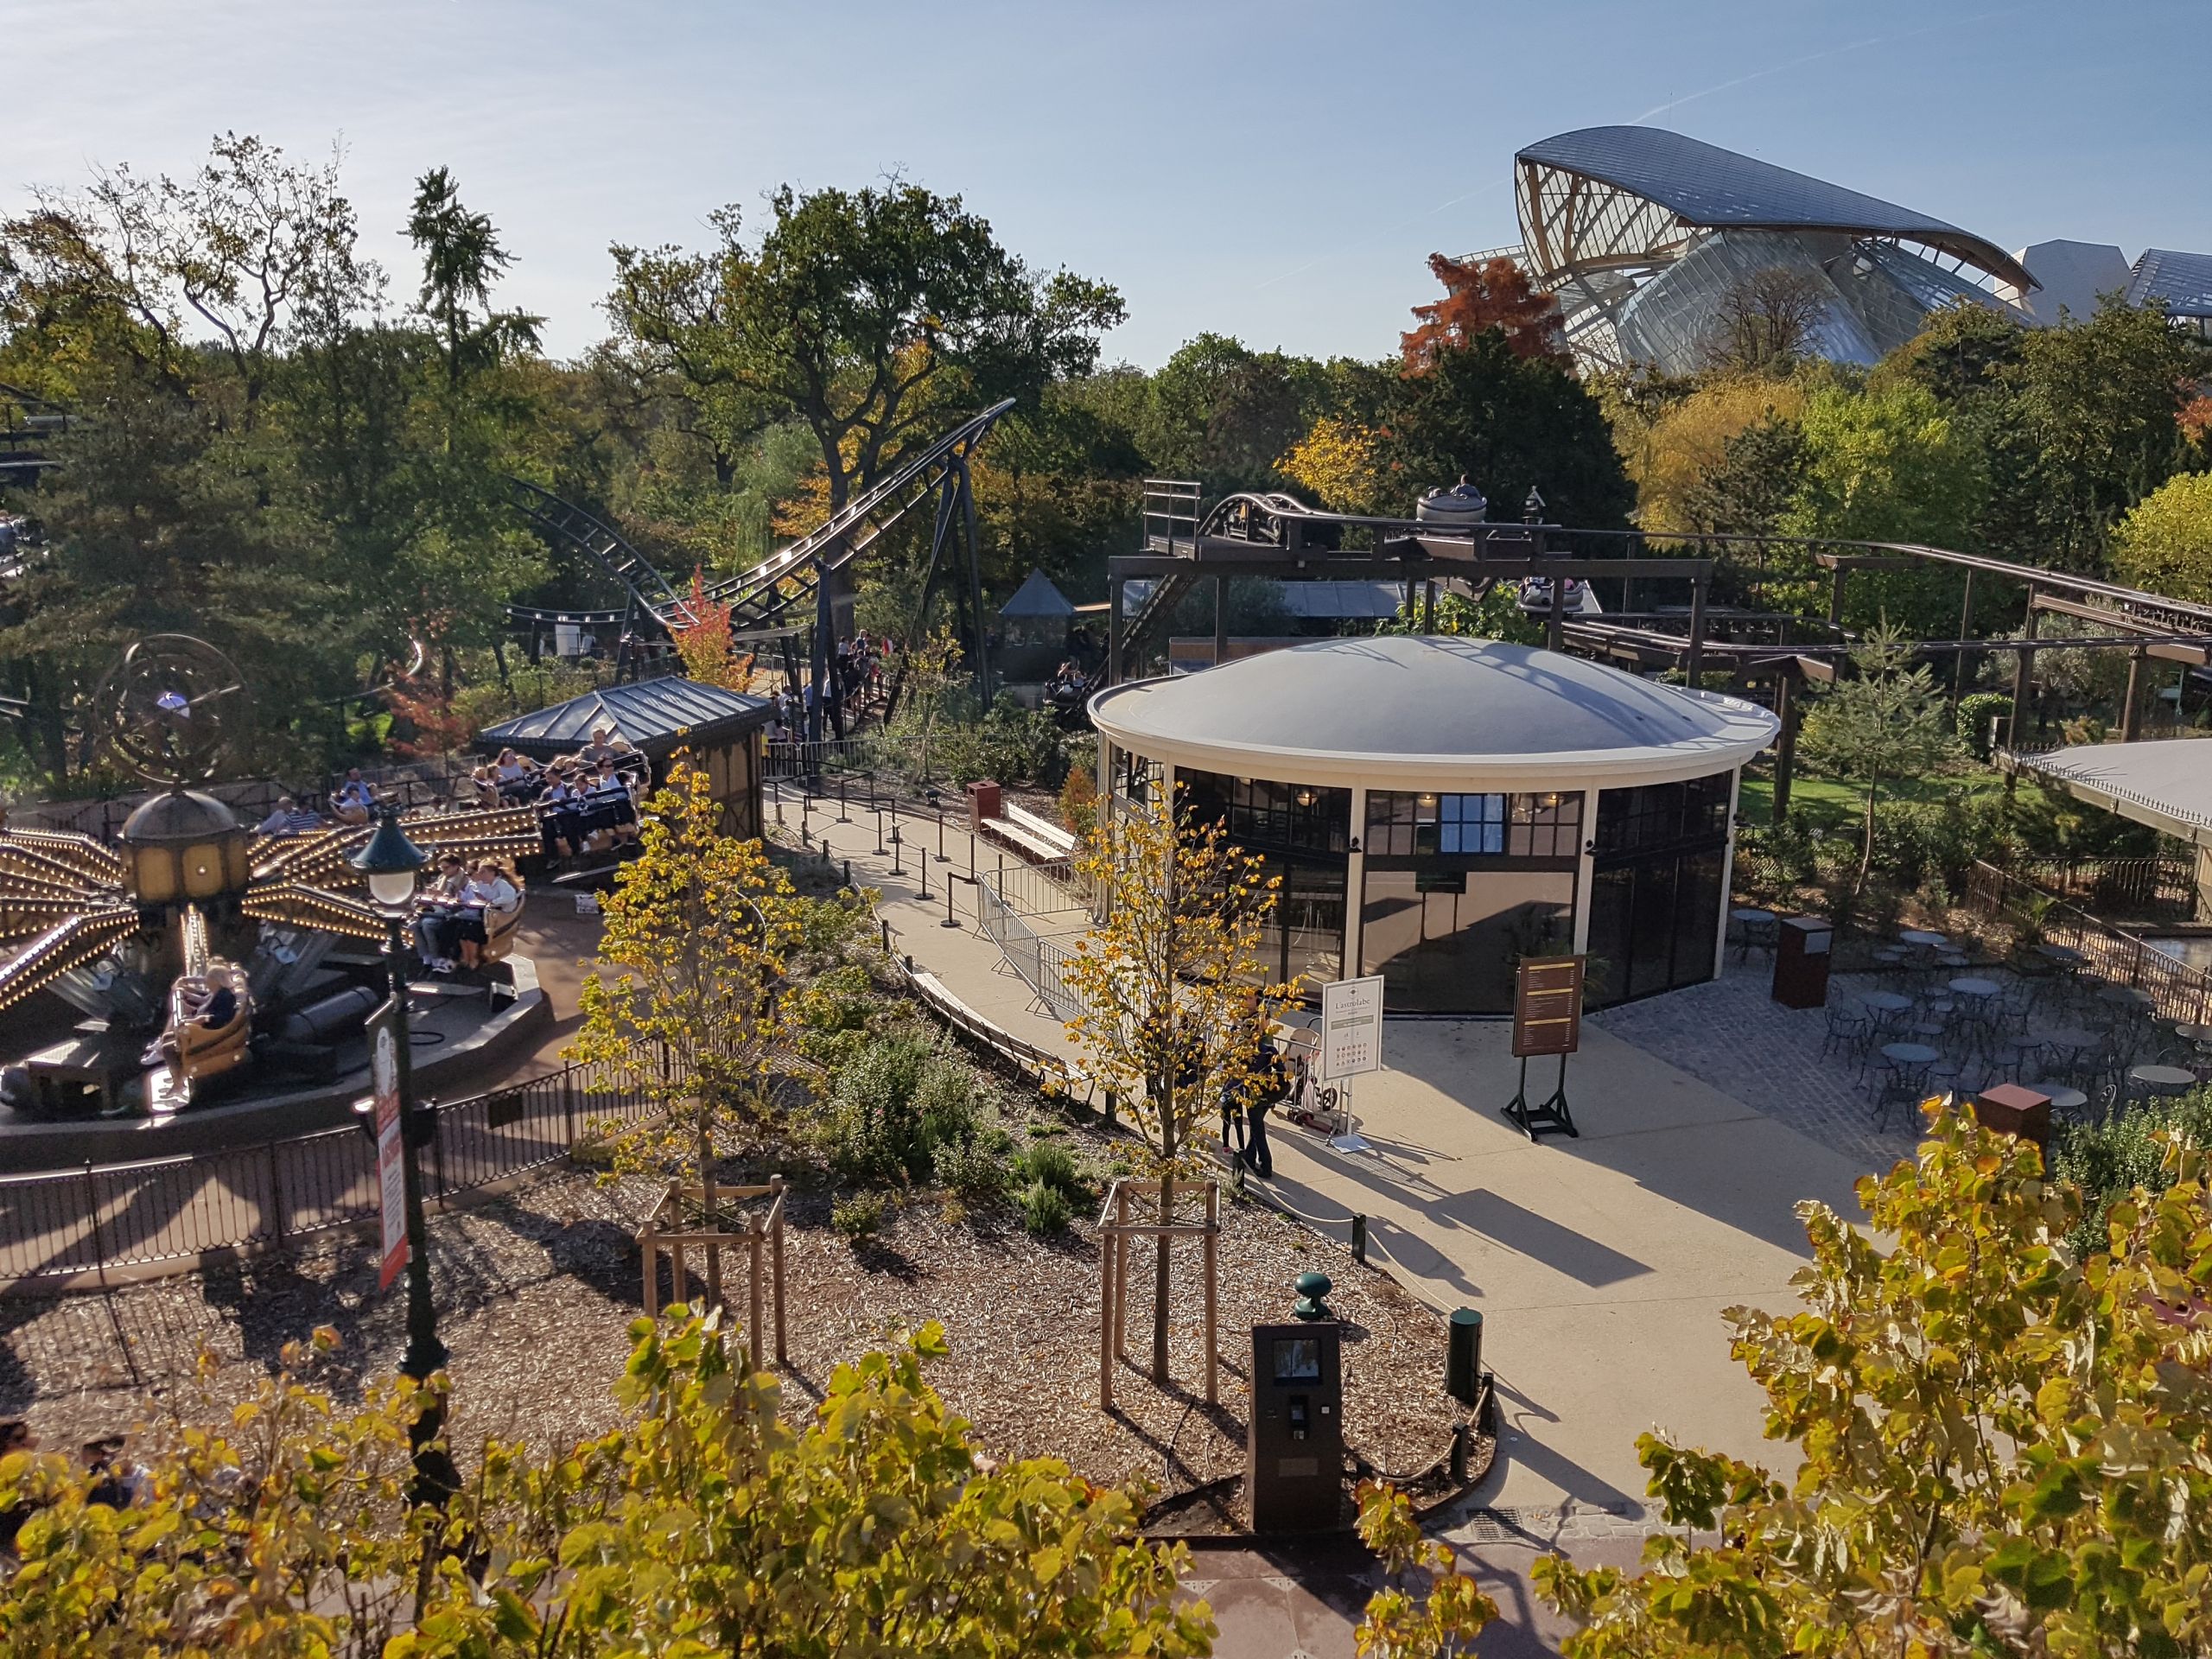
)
(776, 585)
(26, 421)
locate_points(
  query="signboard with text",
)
(391, 1175)
(1351, 1027)
(1547, 1007)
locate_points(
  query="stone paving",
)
(1732, 1034)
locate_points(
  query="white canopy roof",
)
(1428, 712)
(2166, 783)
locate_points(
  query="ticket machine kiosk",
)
(1295, 1450)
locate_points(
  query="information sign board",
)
(1351, 1027)
(1547, 1007)
(391, 1175)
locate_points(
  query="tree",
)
(709, 1522)
(1886, 723)
(1765, 322)
(1511, 424)
(927, 675)
(1170, 991)
(1673, 449)
(864, 313)
(2165, 542)
(704, 648)
(1336, 463)
(461, 258)
(695, 937)
(2101, 403)
(1484, 294)
(1221, 413)
(2004, 1442)
(1441, 1624)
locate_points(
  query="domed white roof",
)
(1430, 711)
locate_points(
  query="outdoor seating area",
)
(1938, 1016)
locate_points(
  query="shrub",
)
(2109, 1161)
(945, 1100)
(1976, 710)
(1044, 1211)
(1079, 802)
(872, 1132)
(976, 1169)
(1047, 1163)
(858, 1215)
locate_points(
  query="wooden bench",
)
(1036, 838)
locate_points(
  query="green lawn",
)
(1834, 806)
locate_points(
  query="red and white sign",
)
(391, 1175)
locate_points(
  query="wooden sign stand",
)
(1547, 1019)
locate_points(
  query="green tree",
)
(1510, 424)
(461, 259)
(1170, 992)
(1221, 413)
(1887, 723)
(2004, 1444)
(865, 314)
(2101, 403)
(709, 1523)
(697, 933)
(2165, 542)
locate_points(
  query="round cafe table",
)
(1908, 1055)
(2159, 1082)
(2064, 955)
(1923, 938)
(1975, 989)
(1754, 930)
(2128, 997)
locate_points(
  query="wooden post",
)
(1106, 1318)
(651, 1248)
(2130, 715)
(776, 1257)
(1121, 1271)
(754, 1229)
(1213, 1257)
(679, 1287)
(1785, 746)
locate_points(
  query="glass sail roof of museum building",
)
(1640, 231)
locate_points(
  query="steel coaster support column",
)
(975, 578)
(947, 493)
(1785, 744)
(2022, 672)
(1113, 627)
(2131, 717)
(1694, 659)
(1966, 631)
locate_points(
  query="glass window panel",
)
(1449, 941)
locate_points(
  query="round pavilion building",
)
(1439, 808)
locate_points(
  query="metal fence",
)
(2112, 954)
(415, 783)
(1042, 962)
(2129, 889)
(103, 1216)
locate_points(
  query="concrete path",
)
(1601, 1264)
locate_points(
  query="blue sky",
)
(1275, 171)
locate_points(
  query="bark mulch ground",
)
(536, 1290)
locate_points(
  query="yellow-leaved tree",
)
(698, 932)
(1337, 462)
(1172, 997)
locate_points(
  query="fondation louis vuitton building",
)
(1644, 234)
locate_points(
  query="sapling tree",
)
(698, 931)
(1172, 997)
(1888, 723)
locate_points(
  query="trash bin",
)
(982, 803)
(1462, 1362)
(1803, 950)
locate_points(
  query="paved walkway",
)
(1602, 1264)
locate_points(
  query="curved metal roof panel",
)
(1712, 188)
(2180, 281)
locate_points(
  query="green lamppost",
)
(392, 861)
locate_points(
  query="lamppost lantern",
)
(391, 862)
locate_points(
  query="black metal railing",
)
(2118, 889)
(2112, 954)
(99, 1216)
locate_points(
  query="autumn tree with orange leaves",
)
(1480, 295)
(704, 647)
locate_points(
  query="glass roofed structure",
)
(2179, 283)
(1643, 234)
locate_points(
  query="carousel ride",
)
(197, 948)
